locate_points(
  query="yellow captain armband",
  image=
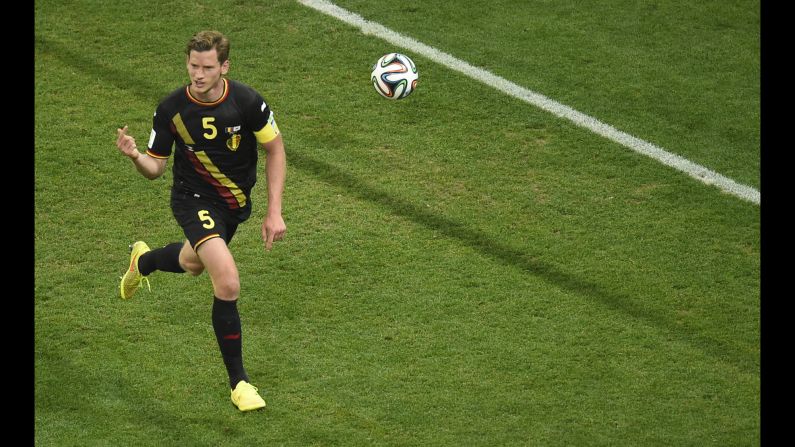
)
(269, 132)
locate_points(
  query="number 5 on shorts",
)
(204, 216)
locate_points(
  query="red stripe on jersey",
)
(223, 191)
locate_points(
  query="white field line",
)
(694, 170)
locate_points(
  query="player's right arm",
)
(149, 167)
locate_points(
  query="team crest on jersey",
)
(233, 142)
(234, 138)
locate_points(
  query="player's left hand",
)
(273, 229)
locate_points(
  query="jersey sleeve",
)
(262, 121)
(161, 139)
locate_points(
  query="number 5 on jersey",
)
(204, 216)
(207, 123)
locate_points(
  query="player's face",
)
(205, 74)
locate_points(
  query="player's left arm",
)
(273, 226)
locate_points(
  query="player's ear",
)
(225, 67)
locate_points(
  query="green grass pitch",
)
(460, 268)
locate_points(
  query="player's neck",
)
(212, 95)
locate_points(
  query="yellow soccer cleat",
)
(245, 397)
(132, 278)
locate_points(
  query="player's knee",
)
(193, 268)
(190, 262)
(227, 287)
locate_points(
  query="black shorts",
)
(202, 220)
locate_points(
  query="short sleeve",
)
(161, 140)
(260, 119)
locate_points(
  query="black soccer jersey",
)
(215, 143)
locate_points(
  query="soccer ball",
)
(394, 76)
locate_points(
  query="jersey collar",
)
(213, 103)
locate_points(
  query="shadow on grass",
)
(143, 416)
(450, 228)
(506, 255)
(122, 79)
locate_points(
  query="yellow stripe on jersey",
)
(269, 132)
(222, 179)
(181, 129)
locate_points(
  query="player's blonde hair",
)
(206, 41)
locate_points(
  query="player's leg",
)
(217, 259)
(165, 259)
(209, 230)
(189, 260)
(144, 261)
(220, 265)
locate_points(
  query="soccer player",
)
(214, 126)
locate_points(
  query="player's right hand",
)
(126, 144)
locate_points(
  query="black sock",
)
(165, 259)
(226, 323)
